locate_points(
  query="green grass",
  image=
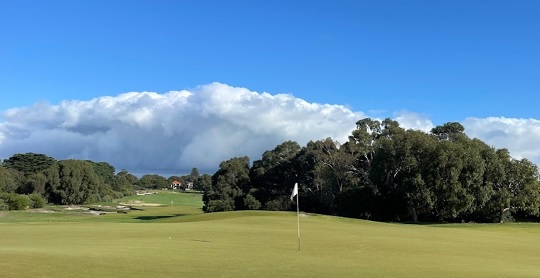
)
(259, 244)
(183, 204)
(166, 197)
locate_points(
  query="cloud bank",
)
(173, 132)
(146, 132)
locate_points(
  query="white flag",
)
(294, 191)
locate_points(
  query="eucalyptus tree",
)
(364, 138)
(228, 184)
(273, 175)
(448, 131)
(398, 173)
(327, 174)
(444, 175)
(458, 174)
(515, 186)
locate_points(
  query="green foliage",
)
(152, 181)
(75, 182)
(7, 181)
(251, 203)
(29, 163)
(194, 175)
(282, 203)
(15, 201)
(228, 184)
(36, 201)
(203, 183)
(383, 172)
(33, 183)
(104, 171)
(274, 174)
(123, 183)
(219, 205)
(3, 205)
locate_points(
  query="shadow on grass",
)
(155, 217)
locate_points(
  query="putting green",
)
(264, 244)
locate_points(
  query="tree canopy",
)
(385, 172)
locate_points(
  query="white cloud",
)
(171, 133)
(412, 120)
(519, 136)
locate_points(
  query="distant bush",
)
(251, 202)
(277, 204)
(117, 195)
(219, 205)
(36, 201)
(15, 201)
(3, 205)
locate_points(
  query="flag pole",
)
(295, 192)
(298, 217)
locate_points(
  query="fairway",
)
(177, 242)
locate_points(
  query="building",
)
(176, 185)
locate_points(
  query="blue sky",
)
(445, 60)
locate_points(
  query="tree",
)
(515, 186)
(75, 182)
(398, 174)
(152, 181)
(228, 183)
(273, 175)
(332, 171)
(15, 201)
(123, 182)
(29, 163)
(7, 181)
(194, 174)
(27, 171)
(365, 135)
(448, 131)
(33, 183)
(204, 182)
(104, 171)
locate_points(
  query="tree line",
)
(31, 180)
(384, 172)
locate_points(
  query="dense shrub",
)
(36, 201)
(15, 201)
(3, 205)
(117, 195)
(282, 203)
(251, 202)
(219, 205)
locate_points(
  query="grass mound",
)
(181, 241)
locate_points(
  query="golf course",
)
(167, 235)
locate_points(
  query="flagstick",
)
(298, 216)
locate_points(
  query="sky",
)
(165, 86)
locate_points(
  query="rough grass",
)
(262, 244)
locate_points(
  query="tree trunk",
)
(414, 215)
(501, 218)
